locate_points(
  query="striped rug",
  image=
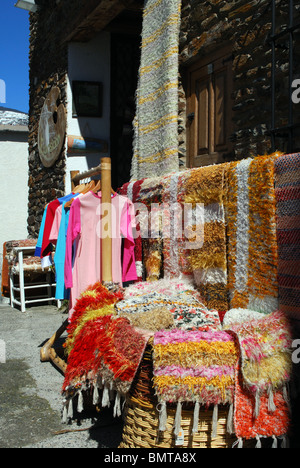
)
(251, 230)
(287, 189)
(206, 186)
(156, 121)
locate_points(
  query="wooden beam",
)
(94, 18)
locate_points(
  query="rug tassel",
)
(196, 418)
(105, 397)
(215, 421)
(286, 397)
(95, 395)
(285, 442)
(238, 443)
(275, 444)
(70, 409)
(162, 416)
(117, 407)
(230, 428)
(178, 418)
(65, 415)
(80, 402)
(258, 444)
(257, 404)
(271, 404)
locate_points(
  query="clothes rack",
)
(48, 352)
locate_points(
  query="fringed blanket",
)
(156, 121)
(251, 229)
(287, 189)
(193, 367)
(209, 261)
(104, 351)
(261, 401)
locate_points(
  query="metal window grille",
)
(286, 131)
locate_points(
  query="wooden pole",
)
(106, 231)
(74, 184)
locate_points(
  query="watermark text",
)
(296, 92)
(2, 92)
(2, 352)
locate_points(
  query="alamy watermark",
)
(296, 92)
(2, 92)
(184, 223)
(296, 352)
(2, 352)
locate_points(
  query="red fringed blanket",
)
(104, 350)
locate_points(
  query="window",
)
(209, 110)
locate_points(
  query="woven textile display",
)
(209, 261)
(104, 351)
(151, 226)
(175, 252)
(261, 400)
(287, 189)
(156, 120)
(251, 230)
(193, 367)
(179, 297)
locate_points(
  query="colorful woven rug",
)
(209, 263)
(175, 252)
(95, 302)
(193, 367)
(269, 422)
(156, 120)
(262, 377)
(251, 230)
(287, 189)
(265, 346)
(104, 351)
(178, 296)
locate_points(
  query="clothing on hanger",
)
(83, 234)
(72, 224)
(58, 237)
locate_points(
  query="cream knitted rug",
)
(155, 124)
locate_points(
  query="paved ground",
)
(30, 399)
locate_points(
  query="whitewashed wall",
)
(14, 187)
(88, 61)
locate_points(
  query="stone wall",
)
(48, 67)
(205, 27)
(245, 26)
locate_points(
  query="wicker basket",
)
(141, 429)
(142, 418)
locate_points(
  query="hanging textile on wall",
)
(251, 229)
(287, 189)
(156, 120)
(205, 186)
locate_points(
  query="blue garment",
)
(38, 249)
(60, 253)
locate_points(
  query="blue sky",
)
(14, 56)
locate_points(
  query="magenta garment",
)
(83, 244)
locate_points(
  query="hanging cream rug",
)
(155, 124)
(251, 230)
